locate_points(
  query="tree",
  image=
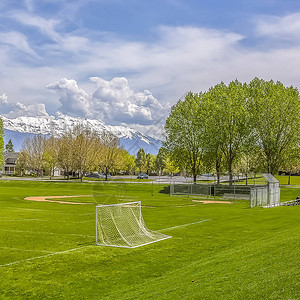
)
(126, 162)
(23, 162)
(65, 155)
(50, 155)
(236, 125)
(213, 158)
(86, 145)
(140, 160)
(9, 147)
(149, 163)
(291, 162)
(110, 152)
(230, 125)
(161, 160)
(276, 120)
(35, 149)
(79, 150)
(1, 143)
(170, 167)
(184, 133)
(250, 161)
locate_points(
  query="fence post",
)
(171, 189)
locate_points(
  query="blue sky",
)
(126, 62)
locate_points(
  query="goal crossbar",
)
(122, 225)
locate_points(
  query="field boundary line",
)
(42, 220)
(51, 233)
(22, 219)
(43, 210)
(184, 225)
(18, 249)
(42, 256)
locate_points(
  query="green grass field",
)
(295, 180)
(259, 179)
(130, 179)
(48, 250)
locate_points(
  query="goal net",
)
(122, 225)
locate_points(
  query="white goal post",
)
(122, 225)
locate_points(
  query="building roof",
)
(11, 154)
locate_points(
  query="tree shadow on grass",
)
(165, 190)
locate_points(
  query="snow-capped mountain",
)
(20, 128)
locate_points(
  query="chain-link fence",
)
(260, 189)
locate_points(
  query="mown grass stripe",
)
(184, 225)
(45, 233)
(42, 256)
(27, 250)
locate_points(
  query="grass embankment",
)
(241, 253)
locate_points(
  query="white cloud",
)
(74, 101)
(3, 99)
(183, 58)
(122, 104)
(286, 27)
(14, 110)
(21, 110)
(29, 4)
(17, 40)
(47, 27)
(59, 44)
(113, 101)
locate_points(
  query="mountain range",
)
(20, 128)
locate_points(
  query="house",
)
(9, 166)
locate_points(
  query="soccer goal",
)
(122, 225)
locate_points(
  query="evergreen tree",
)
(149, 162)
(161, 160)
(9, 147)
(140, 160)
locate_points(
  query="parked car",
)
(93, 175)
(97, 175)
(103, 175)
(142, 176)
